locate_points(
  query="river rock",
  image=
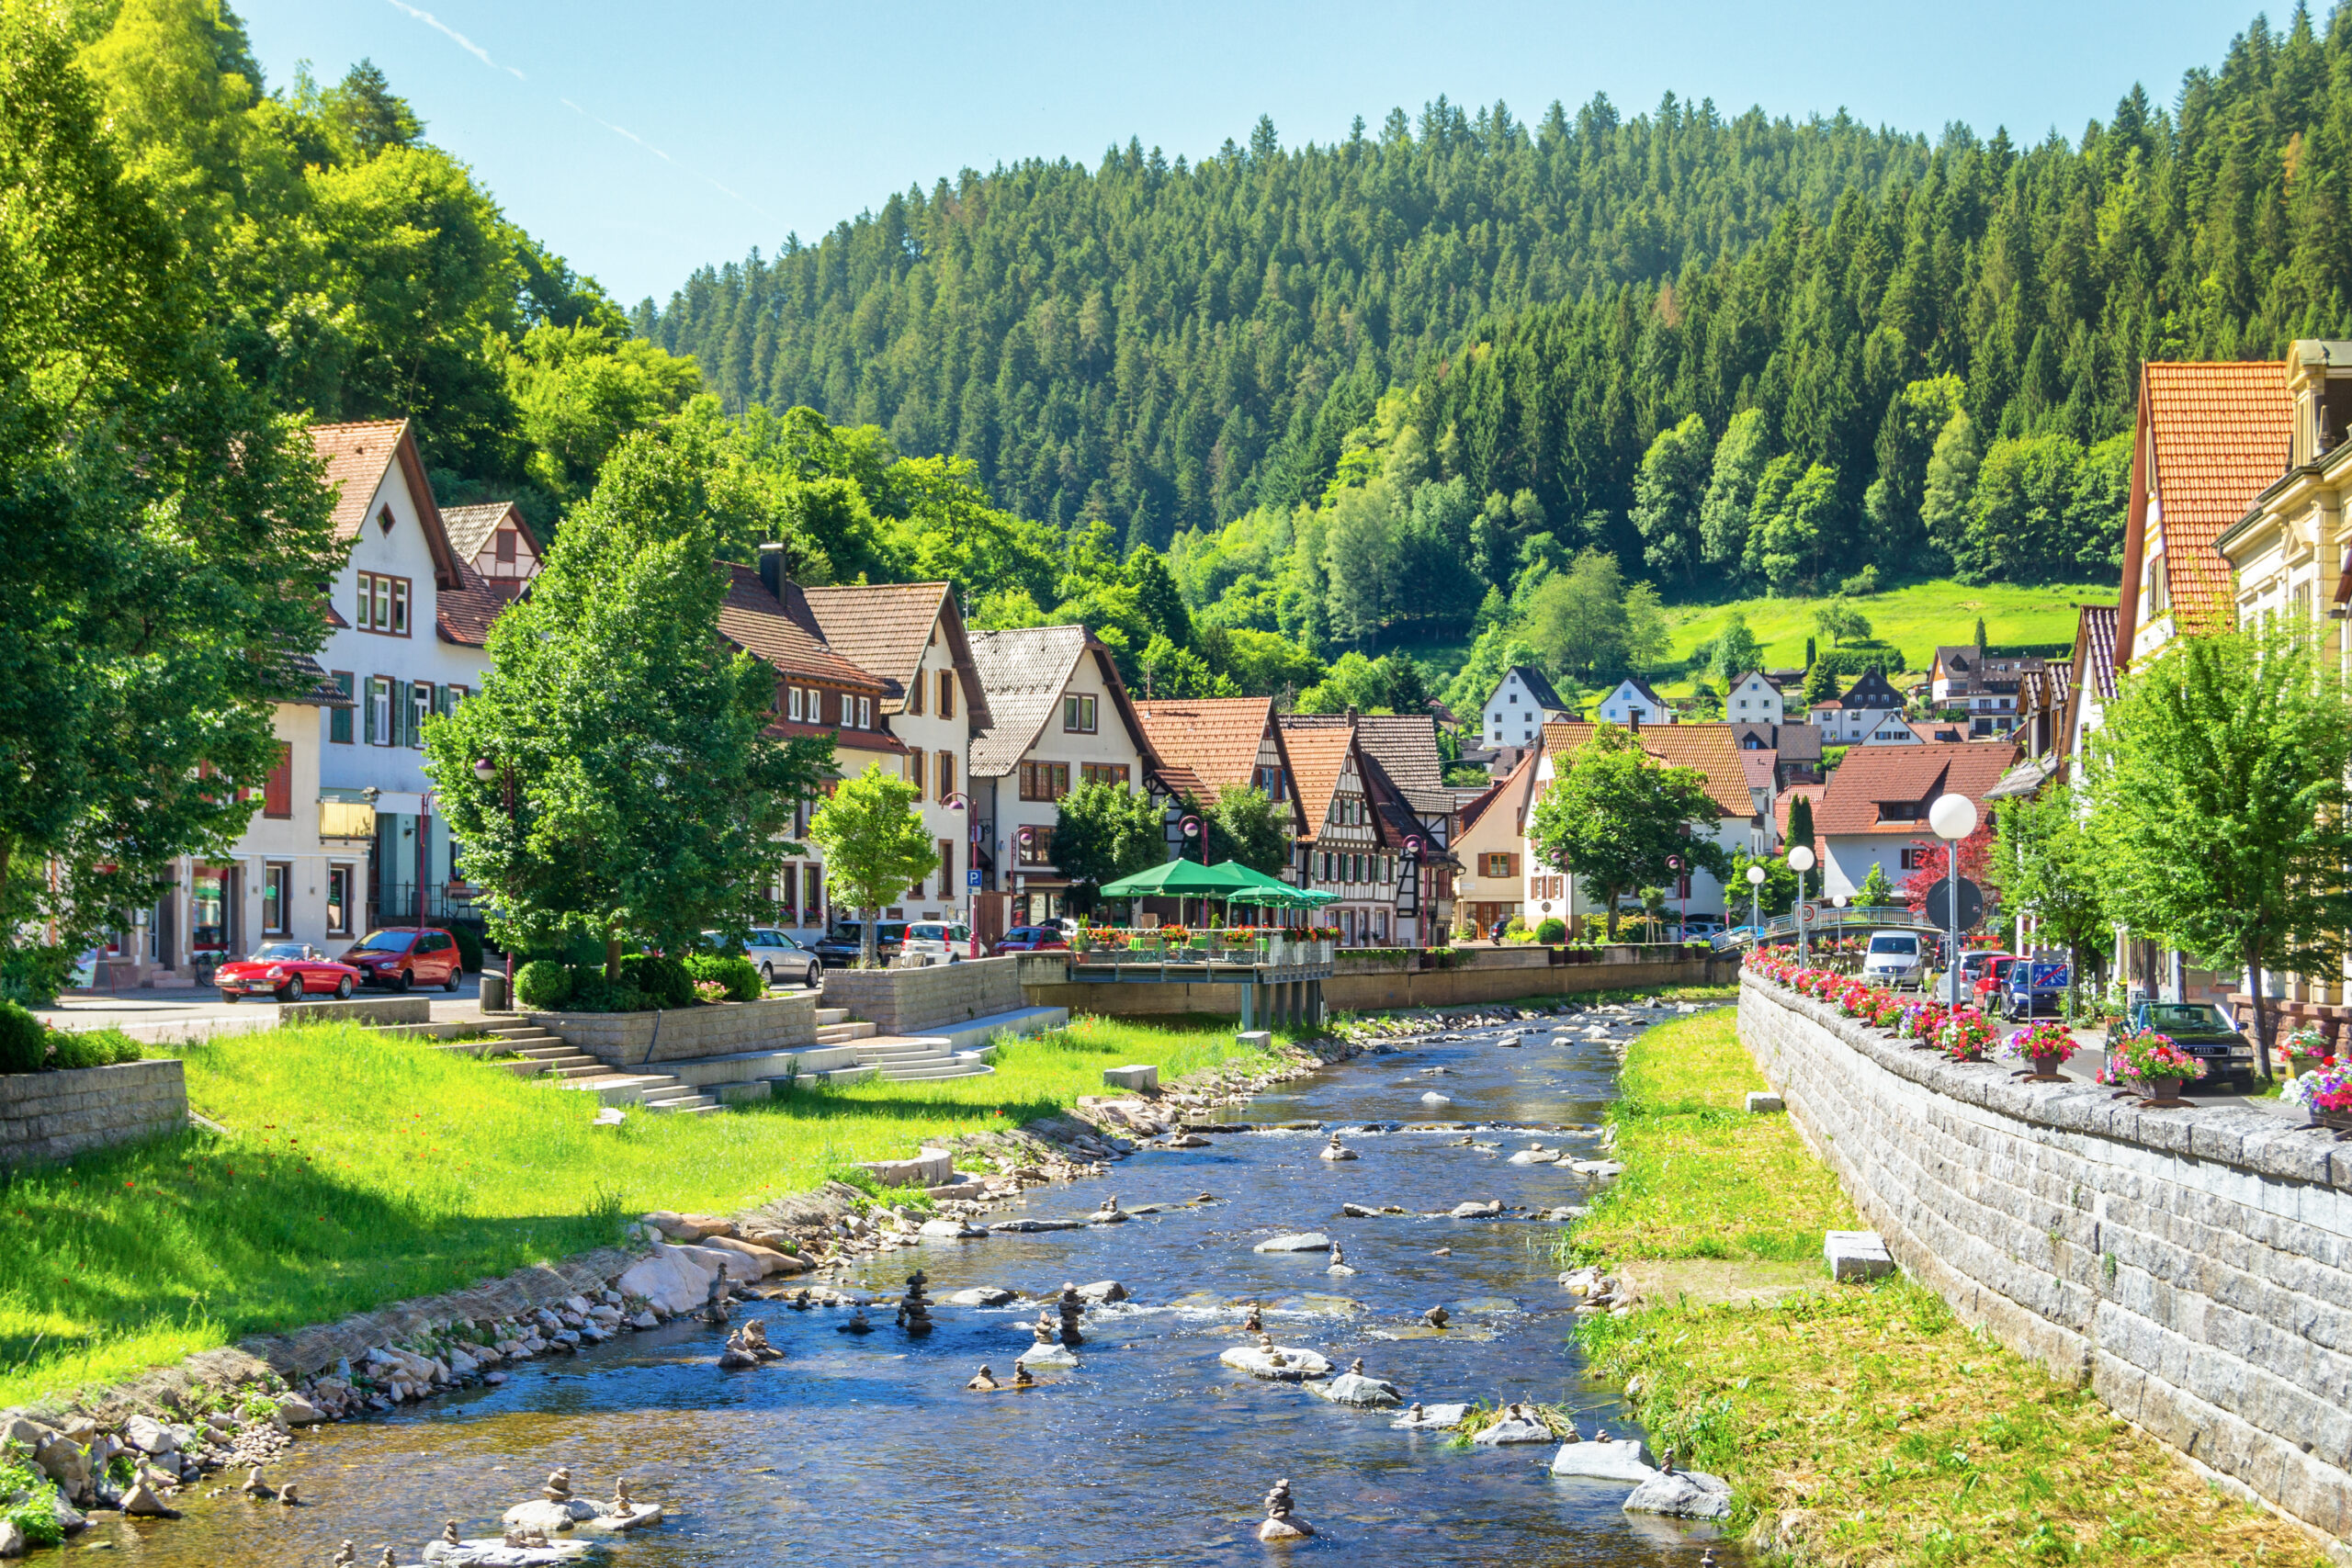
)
(1357, 1211)
(543, 1515)
(1188, 1141)
(1300, 1241)
(1679, 1495)
(980, 1296)
(1103, 1291)
(1597, 1168)
(949, 1230)
(1627, 1461)
(1295, 1366)
(142, 1503)
(1433, 1098)
(1511, 1040)
(1047, 1355)
(608, 1522)
(1535, 1156)
(1431, 1418)
(1027, 1228)
(1512, 1429)
(1355, 1388)
(149, 1436)
(12, 1539)
(768, 1259)
(674, 1278)
(492, 1552)
(1476, 1211)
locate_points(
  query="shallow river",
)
(1150, 1452)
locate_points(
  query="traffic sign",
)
(1972, 905)
(1809, 913)
(972, 877)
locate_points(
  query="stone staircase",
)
(834, 1027)
(908, 1059)
(542, 1055)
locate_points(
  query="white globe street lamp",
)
(1801, 861)
(1755, 905)
(1953, 818)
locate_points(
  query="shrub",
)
(591, 992)
(91, 1048)
(469, 947)
(24, 1042)
(542, 983)
(664, 981)
(34, 975)
(740, 975)
(1553, 929)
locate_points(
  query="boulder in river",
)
(1277, 1363)
(1519, 1424)
(1624, 1461)
(980, 1296)
(1679, 1494)
(1474, 1209)
(1300, 1241)
(1281, 1524)
(1431, 1418)
(1103, 1291)
(1433, 1098)
(949, 1230)
(1352, 1387)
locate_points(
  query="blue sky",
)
(640, 141)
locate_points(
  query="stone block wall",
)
(2193, 1266)
(53, 1116)
(908, 1001)
(678, 1034)
(1480, 977)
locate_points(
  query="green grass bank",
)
(358, 1169)
(1858, 1425)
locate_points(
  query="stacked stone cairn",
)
(914, 1312)
(1071, 1307)
(1281, 1524)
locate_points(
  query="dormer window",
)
(1898, 811)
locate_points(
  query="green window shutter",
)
(368, 710)
(339, 719)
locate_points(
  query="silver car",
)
(1895, 959)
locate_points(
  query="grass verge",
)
(1858, 1425)
(1703, 1177)
(361, 1169)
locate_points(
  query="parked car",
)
(948, 940)
(406, 957)
(288, 971)
(1701, 928)
(782, 957)
(2034, 988)
(1992, 981)
(2204, 1032)
(838, 948)
(1896, 959)
(1031, 939)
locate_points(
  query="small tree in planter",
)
(875, 844)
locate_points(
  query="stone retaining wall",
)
(53, 1116)
(908, 1001)
(633, 1039)
(1461, 987)
(2194, 1266)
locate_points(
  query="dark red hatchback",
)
(404, 957)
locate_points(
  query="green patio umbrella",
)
(1179, 879)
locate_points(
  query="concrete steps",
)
(908, 1059)
(842, 1034)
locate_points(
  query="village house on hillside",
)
(1349, 846)
(1633, 702)
(1875, 809)
(1060, 718)
(1743, 807)
(1850, 719)
(1984, 685)
(1492, 847)
(1521, 702)
(1755, 698)
(1405, 781)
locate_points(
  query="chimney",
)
(1352, 713)
(772, 569)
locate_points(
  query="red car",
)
(406, 957)
(1990, 978)
(1031, 939)
(287, 971)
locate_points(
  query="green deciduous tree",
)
(1614, 816)
(1246, 826)
(1589, 623)
(650, 805)
(2219, 809)
(1948, 486)
(1736, 651)
(876, 845)
(166, 534)
(2045, 866)
(1106, 831)
(1842, 621)
(1670, 494)
(1726, 514)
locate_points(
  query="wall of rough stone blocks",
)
(1472, 982)
(53, 1116)
(908, 1001)
(2194, 1265)
(679, 1035)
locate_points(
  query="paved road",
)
(181, 1011)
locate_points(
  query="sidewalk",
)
(188, 1012)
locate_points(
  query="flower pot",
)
(2298, 1063)
(2046, 1066)
(2339, 1122)
(2163, 1091)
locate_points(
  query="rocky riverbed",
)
(1437, 1275)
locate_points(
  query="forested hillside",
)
(1167, 347)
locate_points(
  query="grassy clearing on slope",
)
(361, 1169)
(1913, 618)
(1866, 1426)
(1703, 1178)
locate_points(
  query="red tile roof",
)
(2094, 637)
(1206, 744)
(1318, 755)
(882, 627)
(1872, 777)
(784, 633)
(2221, 433)
(462, 615)
(356, 456)
(1710, 748)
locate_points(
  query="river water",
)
(1150, 1452)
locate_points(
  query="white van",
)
(939, 941)
(1895, 959)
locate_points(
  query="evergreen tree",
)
(1800, 821)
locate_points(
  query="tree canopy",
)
(1614, 816)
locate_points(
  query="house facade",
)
(1059, 717)
(1875, 809)
(496, 540)
(1866, 704)
(1492, 886)
(1521, 703)
(1633, 702)
(1755, 699)
(1348, 849)
(1403, 779)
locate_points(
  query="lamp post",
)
(485, 770)
(1801, 861)
(1953, 818)
(1681, 896)
(1755, 905)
